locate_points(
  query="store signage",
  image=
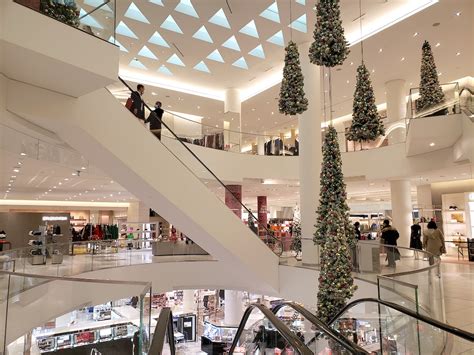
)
(55, 218)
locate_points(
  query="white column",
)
(233, 307)
(261, 145)
(400, 191)
(188, 301)
(233, 109)
(138, 212)
(396, 107)
(310, 155)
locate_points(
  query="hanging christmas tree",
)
(296, 231)
(334, 233)
(292, 96)
(366, 124)
(431, 93)
(330, 47)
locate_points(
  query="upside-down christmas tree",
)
(366, 122)
(292, 97)
(296, 231)
(334, 233)
(330, 47)
(431, 93)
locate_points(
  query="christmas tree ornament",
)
(330, 47)
(431, 94)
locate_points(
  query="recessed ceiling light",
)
(19, 163)
(403, 59)
(458, 13)
(60, 183)
(253, 109)
(352, 63)
(16, 170)
(199, 107)
(458, 53)
(373, 70)
(273, 113)
(66, 179)
(439, 74)
(432, 144)
(54, 187)
(438, 44)
(153, 93)
(347, 81)
(83, 167)
(380, 50)
(13, 176)
(23, 154)
(415, 34)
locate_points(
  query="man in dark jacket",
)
(138, 107)
(390, 236)
(155, 120)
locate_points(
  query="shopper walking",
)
(390, 236)
(138, 106)
(415, 237)
(357, 230)
(260, 339)
(155, 120)
(433, 241)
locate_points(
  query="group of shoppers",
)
(137, 106)
(433, 240)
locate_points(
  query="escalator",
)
(364, 326)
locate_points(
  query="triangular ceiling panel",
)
(116, 42)
(277, 39)
(97, 3)
(187, 8)
(201, 66)
(174, 59)
(157, 39)
(220, 19)
(250, 29)
(299, 24)
(258, 52)
(163, 69)
(89, 20)
(171, 25)
(137, 64)
(231, 43)
(216, 56)
(156, 2)
(302, 2)
(146, 52)
(271, 13)
(203, 35)
(240, 63)
(134, 13)
(122, 29)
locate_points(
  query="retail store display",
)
(217, 338)
(43, 245)
(292, 96)
(334, 233)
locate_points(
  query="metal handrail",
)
(289, 336)
(324, 328)
(164, 326)
(435, 323)
(189, 150)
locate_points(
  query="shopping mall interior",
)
(236, 177)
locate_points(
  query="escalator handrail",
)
(324, 328)
(268, 233)
(435, 323)
(289, 336)
(164, 325)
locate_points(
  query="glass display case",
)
(216, 338)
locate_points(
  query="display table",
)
(369, 256)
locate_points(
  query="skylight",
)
(171, 25)
(185, 7)
(137, 64)
(240, 63)
(250, 29)
(157, 39)
(156, 2)
(302, 2)
(271, 13)
(134, 13)
(220, 19)
(277, 39)
(201, 66)
(258, 52)
(122, 29)
(203, 35)
(164, 70)
(299, 24)
(145, 52)
(97, 3)
(115, 41)
(174, 59)
(231, 43)
(216, 56)
(88, 20)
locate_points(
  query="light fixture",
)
(415, 34)
(66, 179)
(273, 113)
(54, 187)
(111, 181)
(432, 144)
(458, 13)
(153, 93)
(23, 154)
(347, 81)
(73, 174)
(380, 50)
(403, 59)
(439, 74)
(60, 183)
(13, 176)
(438, 44)
(83, 167)
(352, 63)
(458, 53)
(19, 163)
(16, 170)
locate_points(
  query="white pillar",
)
(396, 107)
(188, 301)
(233, 109)
(233, 307)
(310, 155)
(400, 191)
(261, 145)
(138, 212)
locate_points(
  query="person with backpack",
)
(390, 236)
(135, 103)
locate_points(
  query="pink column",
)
(262, 214)
(234, 203)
